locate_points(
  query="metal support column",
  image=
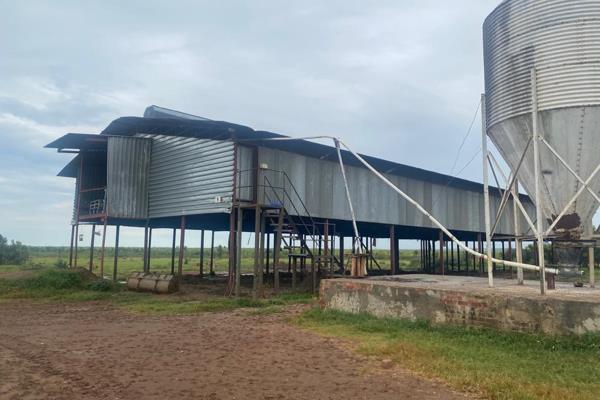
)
(486, 193)
(537, 177)
(517, 224)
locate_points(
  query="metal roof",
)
(220, 130)
(79, 141)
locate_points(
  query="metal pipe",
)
(354, 225)
(409, 199)
(536, 173)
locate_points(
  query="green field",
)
(131, 259)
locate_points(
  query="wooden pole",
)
(238, 252)
(257, 233)
(261, 257)
(116, 260)
(393, 254)
(71, 247)
(277, 251)
(102, 251)
(268, 253)
(173, 251)
(442, 270)
(342, 265)
(212, 252)
(91, 263)
(145, 260)
(326, 247)
(149, 249)
(181, 248)
(202, 253)
(76, 255)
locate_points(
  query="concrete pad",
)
(468, 301)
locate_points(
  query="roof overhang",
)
(75, 142)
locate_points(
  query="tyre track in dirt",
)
(91, 351)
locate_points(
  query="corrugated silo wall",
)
(320, 184)
(189, 176)
(127, 176)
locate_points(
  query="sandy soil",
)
(92, 351)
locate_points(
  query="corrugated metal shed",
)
(189, 176)
(127, 176)
(320, 186)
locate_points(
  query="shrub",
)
(13, 253)
(62, 264)
(101, 285)
(53, 279)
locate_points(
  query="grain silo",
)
(542, 102)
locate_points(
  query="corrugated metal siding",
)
(561, 38)
(188, 174)
(320, 184)
(127, 176)
(245, 175)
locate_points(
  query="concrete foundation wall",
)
(486, 308)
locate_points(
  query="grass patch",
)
(53, 284)
(159, 304)
(497, 365)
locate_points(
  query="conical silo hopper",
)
(560, 39)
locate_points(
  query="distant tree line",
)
(12, 253)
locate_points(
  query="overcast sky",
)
(397, 79)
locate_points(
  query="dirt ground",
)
(93, 351)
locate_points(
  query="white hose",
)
(437, 223)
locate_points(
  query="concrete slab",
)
(469, 301)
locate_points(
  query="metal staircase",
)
(308, 244)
